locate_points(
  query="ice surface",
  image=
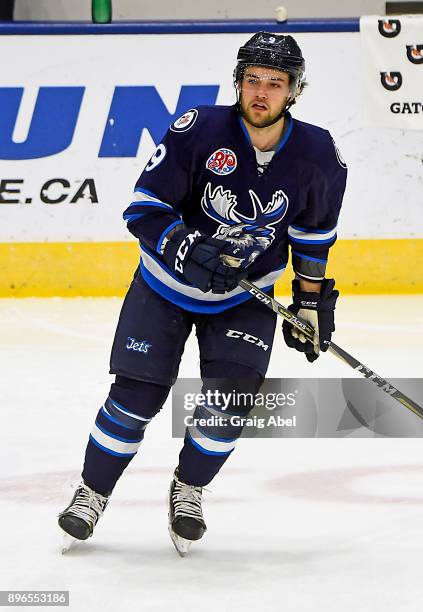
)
(294, 525)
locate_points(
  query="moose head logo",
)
(221, 206)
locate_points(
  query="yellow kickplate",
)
(72, 269)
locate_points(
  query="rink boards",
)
(106, 268)
(82, 114)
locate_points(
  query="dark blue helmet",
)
(273, 51)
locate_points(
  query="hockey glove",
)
(196, 259)
(316, 309)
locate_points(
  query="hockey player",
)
(228, 184)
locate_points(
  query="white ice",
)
(293, 524)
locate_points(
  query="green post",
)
(101, 11)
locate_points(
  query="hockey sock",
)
(217, 426)
(197, 464)
(119, 430)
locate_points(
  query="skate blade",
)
(181, 544)
(68, 542)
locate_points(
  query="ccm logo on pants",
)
(233, 333)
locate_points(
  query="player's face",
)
(263, 94)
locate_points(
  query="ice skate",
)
(186, 522)
(68, 542)
(80, 517)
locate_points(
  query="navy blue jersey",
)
(205, 174)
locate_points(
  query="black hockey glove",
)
(318, 310)
(196, 259)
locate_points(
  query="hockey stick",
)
(336, 350)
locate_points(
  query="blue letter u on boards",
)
(52, 125)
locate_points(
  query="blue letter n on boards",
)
(52, 125)
(136, 108)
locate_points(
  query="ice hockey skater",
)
(226, 193)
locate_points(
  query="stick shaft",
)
(336, 350)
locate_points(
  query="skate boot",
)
(186, 522)
(80, 517)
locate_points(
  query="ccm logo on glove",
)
(197, 259)
(317, 310)
(184, 249)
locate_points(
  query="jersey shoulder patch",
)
(185, 121)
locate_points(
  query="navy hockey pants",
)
(235, 347)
